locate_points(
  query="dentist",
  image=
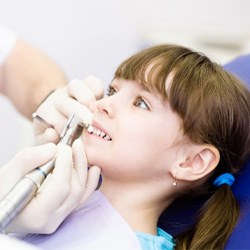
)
(26, 71)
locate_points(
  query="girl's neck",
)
(139, 204)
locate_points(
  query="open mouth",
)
(95, 131)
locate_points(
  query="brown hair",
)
(215, 109)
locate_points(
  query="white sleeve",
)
(7, 42)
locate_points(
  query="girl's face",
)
(136, 134)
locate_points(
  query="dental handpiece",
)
(23, 192)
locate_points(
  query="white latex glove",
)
(68, 186)
(23, 162)
(74, 98)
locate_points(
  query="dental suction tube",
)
(15, 201)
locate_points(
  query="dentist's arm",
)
(69, 185)
(27, 76)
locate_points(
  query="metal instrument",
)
(27, 187)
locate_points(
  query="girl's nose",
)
(103, 106)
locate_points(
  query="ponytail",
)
(217, 219)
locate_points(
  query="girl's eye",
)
(110, 91)
(141, 103)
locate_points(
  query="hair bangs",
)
(148, 69)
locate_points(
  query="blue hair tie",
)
(224, 179)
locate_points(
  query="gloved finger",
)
(73, 198)
(78, 178)
(92, 182)
(81, 92)
(70, 106)
(78, 193)
(41, 210)
(39, 124)
(49, 135)
(80, 162)
(25, 161)
(57, 215)
(56, 188)
(48, 111)
(32, 157)
(95, 85)
(76, 190)
(51, 115)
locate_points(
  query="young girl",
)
(173, 124)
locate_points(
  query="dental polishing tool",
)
(23, 192)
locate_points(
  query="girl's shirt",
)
(161, 241)
(97, 225)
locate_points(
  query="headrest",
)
(240, 66)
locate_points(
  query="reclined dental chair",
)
(181, 215)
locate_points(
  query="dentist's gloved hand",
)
(68, 186)
(74, 98)
(22, 163)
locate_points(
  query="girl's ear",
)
(199, 162)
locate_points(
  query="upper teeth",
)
(98, 132)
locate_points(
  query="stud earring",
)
(175, 183)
